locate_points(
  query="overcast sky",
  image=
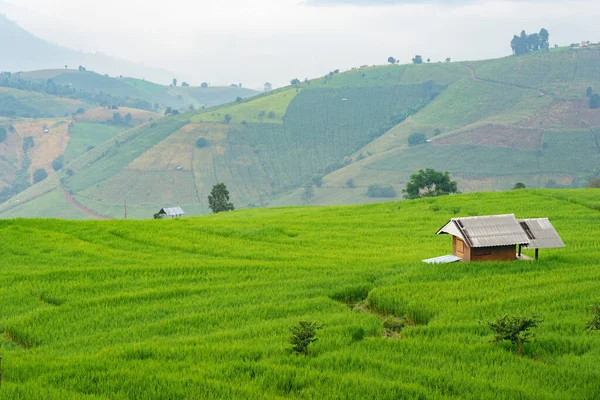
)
(253, 41)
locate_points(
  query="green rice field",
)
(199, 308)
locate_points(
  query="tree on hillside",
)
(218, 199)
(391, 60)
(57, 164)
(595, 101)
(589, 92)
(525, 43)
(376, 190)
(168, 111)
(204, 85)
(267, 87)
(81, 68)
(417, 60)
(295, 81)
(594, 183)
(416, 139)
(39, 175)
(429, 60)
(185, 84)
(545, 38)
(429, 183)
(519, 185)
(308, 193)
(174, 82)
(448, 59)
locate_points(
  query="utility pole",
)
(125, 205)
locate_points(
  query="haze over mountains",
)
(237, 41)
(22, 51)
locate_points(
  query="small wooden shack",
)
(495, 237)
(172, 212)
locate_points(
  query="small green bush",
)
(302, 335)
(514, 329)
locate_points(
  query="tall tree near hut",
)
(218, 199)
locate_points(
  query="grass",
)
(84, 136)
(200, 307)
(267, 109)
(20, 103)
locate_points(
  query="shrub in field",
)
(218, 199)
(595, 101)
(393, 325)
(302, 335)
(519, 185)
(202, 142)
(514, 329)
(594, 322)
(350, 183)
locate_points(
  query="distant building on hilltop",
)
(173, 212)
(495, 237)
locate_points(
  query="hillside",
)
(121, 91)
(200, 307)
(22, 51)
(490, 123)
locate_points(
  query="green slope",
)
(21, 103)
(122, 91)
(489, 126)
(200, 307)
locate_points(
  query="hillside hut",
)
(495, 237)
(172, 212)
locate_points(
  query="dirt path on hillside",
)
(81, 208)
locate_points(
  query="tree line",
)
(525, 43)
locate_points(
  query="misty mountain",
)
(22, 51)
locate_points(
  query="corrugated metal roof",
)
(442, 259)
(172, 211)
(489, 231)
(541, 233)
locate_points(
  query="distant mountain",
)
(22, 51)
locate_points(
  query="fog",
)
(252, 42)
